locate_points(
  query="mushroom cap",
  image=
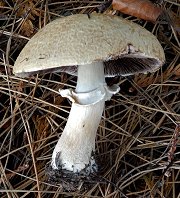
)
(125, 47)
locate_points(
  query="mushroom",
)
(91, 47)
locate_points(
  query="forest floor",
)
(137, 140)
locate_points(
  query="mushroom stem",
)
(90, 77)
(75, 148)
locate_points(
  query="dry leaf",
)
(177, 70)
(175, 20)
(42, 126)
(27, 28)
(28, 11)
(2, 3)
(143, 9)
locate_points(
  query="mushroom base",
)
(71, 181)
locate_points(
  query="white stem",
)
(90, 77)
(74, 149)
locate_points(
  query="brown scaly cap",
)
(125, 47)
